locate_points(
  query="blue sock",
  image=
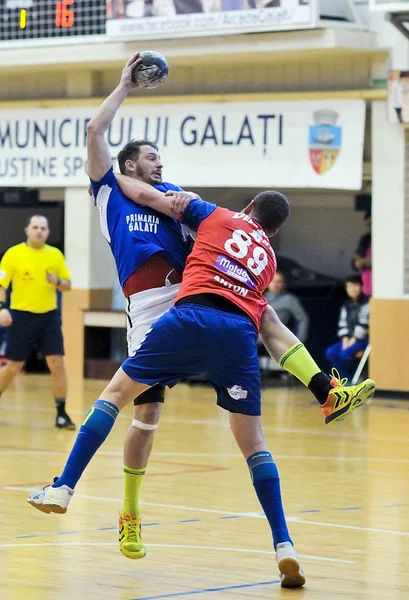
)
(266, 481)
(97, 424)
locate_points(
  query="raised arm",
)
(172, 204)
(99, 156)
(145, 195)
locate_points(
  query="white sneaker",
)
(291, 571)
(51, 499)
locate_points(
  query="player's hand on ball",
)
(151, 71)
(180, 201)
(126, 77)
(5, 317)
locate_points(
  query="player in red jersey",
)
(219, 306)
(232, 258)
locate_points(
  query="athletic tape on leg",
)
(144, 426)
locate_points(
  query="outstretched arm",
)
(171, 204)
(99, 156)
(145, 195)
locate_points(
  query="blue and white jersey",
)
(135, 233)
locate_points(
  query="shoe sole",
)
(364, 394)
(68, 428)
(292, 576)
(48, 508)
(131, 555)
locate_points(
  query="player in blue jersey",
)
(150, 250)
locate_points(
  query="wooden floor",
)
(345, 488)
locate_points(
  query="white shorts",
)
(143, 309)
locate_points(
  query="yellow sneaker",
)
(343, 399)
(130, 539)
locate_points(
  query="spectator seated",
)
(352, 330)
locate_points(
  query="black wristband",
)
(3, 305)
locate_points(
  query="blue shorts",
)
(192, 339)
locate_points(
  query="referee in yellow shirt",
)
(35, 271)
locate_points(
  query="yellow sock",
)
(299, 362)
(133, 481)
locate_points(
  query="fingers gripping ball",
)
(152, 71)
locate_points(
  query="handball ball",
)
(152, 71)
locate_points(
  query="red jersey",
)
(232, 257)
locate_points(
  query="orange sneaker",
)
(343, 399)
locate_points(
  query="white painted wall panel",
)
(388, 204)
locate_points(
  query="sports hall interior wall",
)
(254, 73)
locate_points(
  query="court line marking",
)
(225, 424)
(225, 512)
(339, 526)
(191, 468)
(253, 515)
(157, 504)
(219, 456)
(114, 454)
(208, 590)
(198, 520)
(184, 546)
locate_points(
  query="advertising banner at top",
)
(281, 144)
(159, 19)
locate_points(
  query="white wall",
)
(388, 203)
(390, 38)
(86, 250)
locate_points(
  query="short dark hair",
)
(354, 278)
(28, 220)
(131, 151)
(271, 209)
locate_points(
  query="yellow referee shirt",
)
(26, 269)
